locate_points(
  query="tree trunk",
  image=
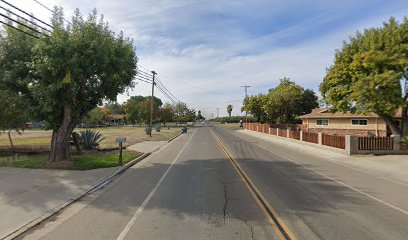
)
(11, 141)
(60, 147)
(395, 130)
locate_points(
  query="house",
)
(339, 123)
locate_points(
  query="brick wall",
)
(353, 132)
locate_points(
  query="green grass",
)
(24, 161)
(86, 161)
(234, 126)
(102, 160)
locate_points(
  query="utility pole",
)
(151, 104)
(246, 96)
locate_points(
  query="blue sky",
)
(203, 51)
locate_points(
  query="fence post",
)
(277, 131)
(397, 142)
(269, 130)
(351, 144)
(287, 133)
(301, 136)
(320, 138)
(257, 128)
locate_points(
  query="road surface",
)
(215, 183)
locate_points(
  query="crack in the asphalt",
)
(226, 200)
(249, 225)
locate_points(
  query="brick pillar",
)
(277, 131)
(320, 138)
(301, 136)
(287, 133)
(269, 130)
(351, 144)
(257, 128)
(397, 142)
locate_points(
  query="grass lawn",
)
(234, 126)
(42, 139)
(85, 161)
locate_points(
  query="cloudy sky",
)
(204, 51)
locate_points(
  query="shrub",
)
(91, 138)
(148, 130)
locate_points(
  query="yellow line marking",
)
(266, 208)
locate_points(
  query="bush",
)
(91, 138)
(148, 130)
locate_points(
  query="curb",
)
(98, 186)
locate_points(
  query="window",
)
(360, 122)
(322, 122)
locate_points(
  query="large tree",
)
(166, 113)
(132, 108)
(287, 101)
(367, 73)
(145, 108)
(67, 74)
(253, 105)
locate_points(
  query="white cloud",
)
(220, 45)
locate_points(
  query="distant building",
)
(35, 124)
(322, 120)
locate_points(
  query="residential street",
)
(192, 189)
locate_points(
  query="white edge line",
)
(132, 221)
(339, 182)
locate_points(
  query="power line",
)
(11, 26)
(25, 19)
(44, 6)
(167, 90)
(158, 84)
(11, 5)
(24, 25)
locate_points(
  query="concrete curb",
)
(98, 186)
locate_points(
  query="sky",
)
(204, 51)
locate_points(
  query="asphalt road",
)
(214, 183)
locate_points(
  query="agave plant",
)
(91, 138)
(157, 127)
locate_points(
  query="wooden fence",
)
(282, 132)
(311, 137)
(375, 143)
(273, 131)
(334, 141)
(294, 135)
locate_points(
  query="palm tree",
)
(229, 109)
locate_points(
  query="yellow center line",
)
(277, 223)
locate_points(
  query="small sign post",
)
(120, 141)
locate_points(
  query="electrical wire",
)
(44, 6)
(24, 25)
(25, 19)
(11, 5)
(11, 26)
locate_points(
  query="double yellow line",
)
(280, 227)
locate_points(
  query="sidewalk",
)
(27, 195)
(391, 167)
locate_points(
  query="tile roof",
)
(325, 113)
